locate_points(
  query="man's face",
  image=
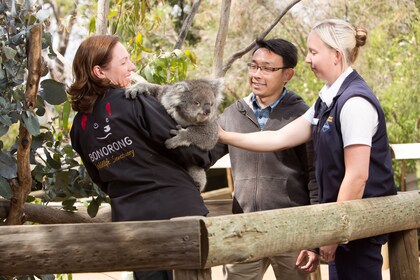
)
(264, 83)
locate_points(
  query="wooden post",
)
(403, 175)
(316, 275)
(404, 255)
(122, 246)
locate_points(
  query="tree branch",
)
(53, 215)
(245, 50)
(186, 25)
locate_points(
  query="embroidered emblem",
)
(326, 127)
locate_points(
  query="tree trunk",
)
(221, 39)
(21, 186)
(102, 17)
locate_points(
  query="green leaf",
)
(53, 92)
(42, 15)
(5, 189)
(68, 204)
(9, 52)
(93, 208)
(8, 166)
(3, 129)
(30, 120)
(52, 162)
(112, 14)
(5, 120)
(46, 276)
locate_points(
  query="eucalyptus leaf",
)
(3, 129)
(5, 189)
(52, 162)
(42, 15)
(8, 166)
(46, 276)
(30, 120)
(93, 208)
(3, 102)
(5, 120)
(19, 38)
(53, 92)
(46, 40)
(9, 52)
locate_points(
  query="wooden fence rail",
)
(191, 244)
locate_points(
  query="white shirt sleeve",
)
(359, 122)
(309, 114)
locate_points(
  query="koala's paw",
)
(178, 140)
(175, 131)
(135, 90)
(175, 142)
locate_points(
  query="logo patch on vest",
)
(326, 125)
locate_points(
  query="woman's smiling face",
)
(120, 68)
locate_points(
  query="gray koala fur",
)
(193, 105)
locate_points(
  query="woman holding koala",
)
(122, 142)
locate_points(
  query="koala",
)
(193, 105)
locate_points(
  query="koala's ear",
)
(181, 87)
(217, 87)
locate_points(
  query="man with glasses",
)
(265, 181)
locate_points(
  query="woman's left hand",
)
(328, 252)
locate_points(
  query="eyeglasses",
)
(252, 67)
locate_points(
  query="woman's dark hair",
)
(95, 50)
(283, 48)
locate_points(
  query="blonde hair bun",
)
(361, 36)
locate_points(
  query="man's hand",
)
(307, 261)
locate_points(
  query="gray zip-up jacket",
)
(264, 181)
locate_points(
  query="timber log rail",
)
(193, 244)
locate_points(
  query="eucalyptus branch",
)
(245, 50)
(187, 25)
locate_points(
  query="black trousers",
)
(358, 260)
(153, 275)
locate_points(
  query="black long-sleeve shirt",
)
(122, 146)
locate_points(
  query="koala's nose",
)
(206, 109)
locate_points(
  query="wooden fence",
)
(191, 245)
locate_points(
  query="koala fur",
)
(193, 105)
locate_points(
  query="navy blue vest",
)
(328, 144)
